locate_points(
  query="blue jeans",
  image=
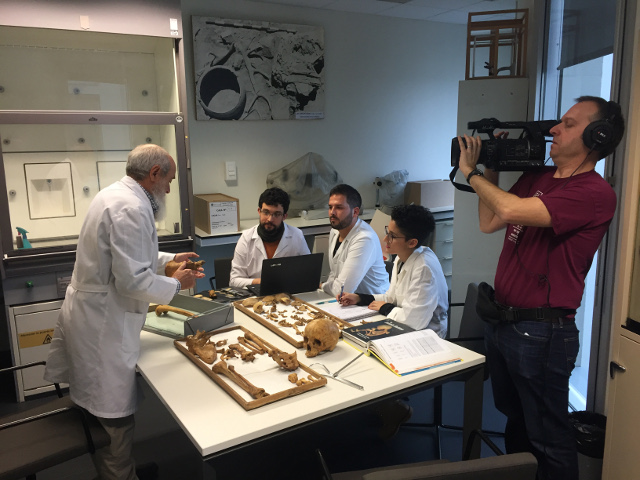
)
(530, 364)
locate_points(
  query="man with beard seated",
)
(270, 238)
(355, 254)
(118, 272)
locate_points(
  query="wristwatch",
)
(473, 172)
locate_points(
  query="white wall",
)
(391, 103)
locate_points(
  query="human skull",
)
(319, 335)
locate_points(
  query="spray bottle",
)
(23, 233)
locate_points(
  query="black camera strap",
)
(459, 186)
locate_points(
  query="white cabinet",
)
(623, 420)
(31, 333)
(443, 247)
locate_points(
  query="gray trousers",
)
(115, 461)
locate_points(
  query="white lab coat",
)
(249, 253)
(118, 272)
(420, 292)
(358, 263)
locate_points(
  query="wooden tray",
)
(263, 372)
(290, 334)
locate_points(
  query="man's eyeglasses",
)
(267, 213)
(391, 236)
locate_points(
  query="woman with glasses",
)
(418, 292)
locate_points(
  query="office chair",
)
(521, 466)
(47, 435)
(471, 336)
(222, 270)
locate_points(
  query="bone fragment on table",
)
(200, 344)
(160, 309)
(288, 361)
(245, 355)
(229, 371)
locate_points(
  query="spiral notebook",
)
(349, 313)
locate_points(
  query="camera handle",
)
(459, 186)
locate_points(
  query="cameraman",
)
(555, 219)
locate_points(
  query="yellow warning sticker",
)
(35, 339)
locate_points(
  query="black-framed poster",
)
(250, 70)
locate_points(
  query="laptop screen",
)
(291, 274)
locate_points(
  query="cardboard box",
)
(436, 195)
(216, 213)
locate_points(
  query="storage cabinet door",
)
(34, 331)
(623, 422)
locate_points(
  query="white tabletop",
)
(215, 422)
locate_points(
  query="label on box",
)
(35, 339)
(223, 215)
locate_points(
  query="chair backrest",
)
(222, 270)
(471, 325)
(63, 431)
(522, 466)
(471, 333)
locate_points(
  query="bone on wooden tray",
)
(160, 309)
(229, 371)
(288, 361)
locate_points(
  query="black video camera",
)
(506, 154)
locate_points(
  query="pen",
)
(327, 301)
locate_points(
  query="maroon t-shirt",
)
(534, 259)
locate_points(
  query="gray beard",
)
(161, 200)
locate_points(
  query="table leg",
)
(473, 391)
(207, 472)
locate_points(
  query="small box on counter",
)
(216, 213)
(436, 195)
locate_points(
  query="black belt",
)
(540, 314)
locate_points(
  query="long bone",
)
(288, 361)
(160, 309)
(230, 372)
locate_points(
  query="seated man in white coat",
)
(271, 238)
(118, 272)
(418, 295)
(355, 256)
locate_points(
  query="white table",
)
(217, 424)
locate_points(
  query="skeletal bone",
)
(320, 335)
(160, 309)
(230, 372)
(251, 345)
(199, 344)
(288, 361)
(249, 302)
(258, 307)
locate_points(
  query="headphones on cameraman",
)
(598, 135)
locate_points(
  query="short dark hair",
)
(275, 196)
(414, 221)
(353, 197)
(612, 113)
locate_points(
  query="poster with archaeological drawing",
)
(250, 70)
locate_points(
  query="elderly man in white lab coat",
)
(118, 272)
(271, 238)
(355, 255)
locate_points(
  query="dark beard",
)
(271, 236)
